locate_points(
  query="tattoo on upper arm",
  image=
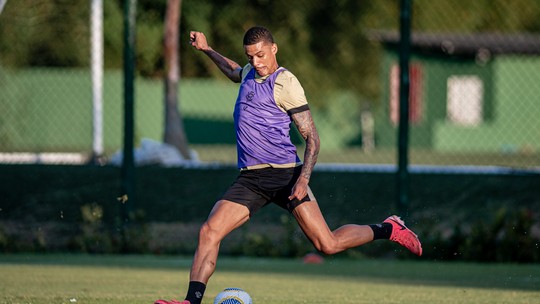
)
(306, 126)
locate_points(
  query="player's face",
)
(262, 56)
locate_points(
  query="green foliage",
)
(44, 33)
(112, 34)
(501, 236)
(90, 235)
(93, 236)
(504, 237)
(323, 42)
(75, 208)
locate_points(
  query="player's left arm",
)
(306, 126)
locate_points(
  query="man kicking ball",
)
(269, 99)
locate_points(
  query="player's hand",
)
(300, 189)
(198, 41)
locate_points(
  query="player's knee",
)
(327, 248)
(207, 234)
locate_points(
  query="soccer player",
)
(269, 99)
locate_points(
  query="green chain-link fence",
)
(474, 107)
(474, 78)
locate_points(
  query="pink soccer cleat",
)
(403, 235)
(171, 302)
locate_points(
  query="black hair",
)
(257, 34)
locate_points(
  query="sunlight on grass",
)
(142, 279)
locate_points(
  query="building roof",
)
(460, 44)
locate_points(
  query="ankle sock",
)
(381, 231)
(195, 292)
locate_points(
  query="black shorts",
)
(259, 187)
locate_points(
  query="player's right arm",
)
(230, 68)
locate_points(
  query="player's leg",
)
(224, 218)
(233, 209)
(312, 222)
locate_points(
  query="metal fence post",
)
(96, 53)
(128, 166)
(403, 129)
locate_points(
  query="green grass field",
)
(87, 279)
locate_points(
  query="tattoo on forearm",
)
(306, 126)
(226, 65)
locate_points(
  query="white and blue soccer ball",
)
(233, 296)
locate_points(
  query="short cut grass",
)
(133, 279)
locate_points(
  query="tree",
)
(174, 127)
